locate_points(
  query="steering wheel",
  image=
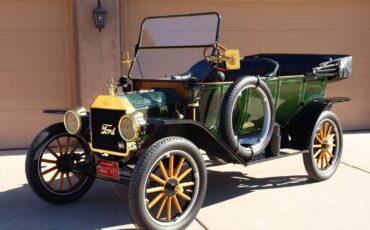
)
(217, 57)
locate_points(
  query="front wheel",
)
(50, 161)
(168, 185)
(325, 150)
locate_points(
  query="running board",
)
(283, 153)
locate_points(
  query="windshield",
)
(170, 45)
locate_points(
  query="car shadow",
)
(223, 186)
(102, 208)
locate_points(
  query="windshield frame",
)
(138, 44)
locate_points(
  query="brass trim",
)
(113, 103)
(79, 122)
(136, 124)
(128, 145)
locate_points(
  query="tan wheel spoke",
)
(163, 170)
(318, 159)
(169, 204)
(59, 146)
(317, 153)
(184, 196)
(321, 134)
(52, 152)
(159, 212)
(179, 166)
(317, 146)
(324, 132)
(330, 153)
(53, 178)
(157, 179)
(77, 144)
(329, 130)
(70, 184)
(318, 139)
(49, 170)
(67, 145)
(322, 161)
(184, 174)
(177, 204)
(326, 160)
(156, 189)
(155, 200)
(170, 167)
(186, 184)
(48, 161)
(60, 186)
(331, 145)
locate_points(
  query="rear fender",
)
(300, 127)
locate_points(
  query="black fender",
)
(55, 111)
(301, 125)
(195, 132)
(85, 131)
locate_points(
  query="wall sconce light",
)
(99, 14)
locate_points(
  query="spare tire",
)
(227, 111)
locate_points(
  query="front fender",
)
(195, 132)
(301, 126)
(85, 131)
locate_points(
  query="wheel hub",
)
(65, 163)
(325, 145)
(170, 187)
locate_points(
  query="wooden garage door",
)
(280, 26)
(35, 67)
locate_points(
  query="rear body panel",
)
(290, 94)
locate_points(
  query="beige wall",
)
(98, 53)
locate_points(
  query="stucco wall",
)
(98, 53)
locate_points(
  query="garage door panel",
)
(290, 14)
(21, 127)
(34, 50)
(34, 89)
(35, 66)
(150, 8)
(347, 14)
(33, 14)
(358, 118)
(244, 13)
(354, 42)
(247, 42)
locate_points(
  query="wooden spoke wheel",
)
(52, 165)
(325, 147)
(171, 184)
(168, 185)
(59, 157)
(325, 144)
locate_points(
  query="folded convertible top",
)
(333, 66)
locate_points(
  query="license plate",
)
(108, 169)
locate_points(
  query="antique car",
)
(154, 128)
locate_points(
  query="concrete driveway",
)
(272, 195)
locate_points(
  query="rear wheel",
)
(168, 185)
(50, 160)
(325, 151)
